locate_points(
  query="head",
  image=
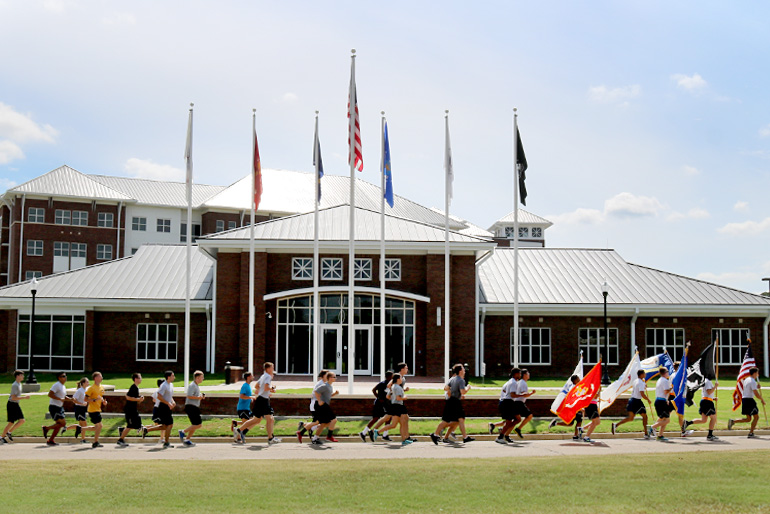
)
(83, 382)
(137, 378)
(641, 374)
(402, 368)
(61, 377)
(269, 368)
(322, 374)
(18, 375)
(389, 375)
(574, 379)
(516, 373)
(397, 378)
(663, 371)
(198, 376)
(676, 365)
(160, 381)
(754, 373)
(169, 376)
(525, 374)
(459, 370)
(248, 377)
(331, 377)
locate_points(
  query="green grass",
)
(705, 483)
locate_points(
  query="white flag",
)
(621, 385)
(568, 385)
(448, 164)
(188, 159)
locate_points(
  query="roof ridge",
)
(122, 177)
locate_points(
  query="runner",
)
(749, 408)
(262, 408)
(192, 407)
(245, 397)
(133, 421)
(379, 410)
(592, 414)
(453, 409)
(57, 395)
(398, 412)
(520, 402)
(662, 390)
(635, 405)
(155, 417)
(402, 368)
(310, 427)
(15, 415)
(95, 399)
(326, 417)
(578, 421)
(81, 409)
(707, 409)
(167, 403)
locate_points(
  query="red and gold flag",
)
(581, 395)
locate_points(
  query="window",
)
(78, 250)
(534, 345)
(523, 232)
(196, 232)
(103, 252)
(80, 218)
(732, 344)
(537, 232)
(231, 225)
(302, 268)
(61, 249)
(509, 232)
(29, 275)
(164, 225)
(59, 343)
(591, 342)
(62, 217)
(34, 248)
(156, 342)
(362, 269)
(659, 340)
(104, 219)
(134, 250)
(220, 226)
(139, 224)
(392, 269)
(331, 269)
(36, 215)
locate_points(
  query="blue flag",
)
(386, 168)
(679, 384)
(651, 365)
(317, 162)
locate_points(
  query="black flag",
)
(521, 166)
(699, 371)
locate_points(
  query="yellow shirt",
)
(95, 391)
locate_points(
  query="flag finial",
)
(191, 105)
(352, 52)
(515, 109)
(382, 112)
(316, 113)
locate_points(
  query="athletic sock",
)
(385, 433)
(330, 433)
(711, 432)
(244, 432)
(365, 430)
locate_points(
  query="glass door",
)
(362, 348)
(331, 352)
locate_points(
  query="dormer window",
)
(537, 232)
(523, 232)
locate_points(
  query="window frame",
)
(36, 215)
(530, 361)
(61, 249)
(360, 269)
(101, 250)
(302, 268)
(392, 270)
(59, 217)
(157, 342)
(232, 225)
(599, 345)
(139, 224)
(29, 275)
(163, 225)
(539, 234)
(656, 347)
(219, 226)
(35, 245)
(81, 217)
(736, 352)
(77, 252)
(332, 268)
(103, 218)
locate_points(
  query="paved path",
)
(423, 449)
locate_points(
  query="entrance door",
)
(331, 348)
(334, 349)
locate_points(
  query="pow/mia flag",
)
(699, 371)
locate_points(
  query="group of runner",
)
(389, 408)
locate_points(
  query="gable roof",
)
(68, 182)
(525, 217)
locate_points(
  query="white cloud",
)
(9, 151)
(695, 213)
(289, 98)
(6, 184)
(20, 128)
(692, 82)
(745, 228)
(139, 168)
(579, 216)
(765, 131)
(625, 205)
(603, 94)
(741, 206)
(119, 18)
(691, 170)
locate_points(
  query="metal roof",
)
(66, 181)
(155, 272)
(525, 217)
(157, 192)
(575, 276)
(334, 225)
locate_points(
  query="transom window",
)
(362, 269)
(29, 275)
(104, 219)
(80, 218)
(139, 224)
(220, 226)
(34, 248)
(302, 268)
(537, 232)
(163, 225)
(59, 343)
(732, 344)
(534, 346)
(659, 340)
(591, 342)
(156, 342)
(393, 269)
(62, 217)
(103, 252)
(36, 215)
(331, 269)
(61, 249)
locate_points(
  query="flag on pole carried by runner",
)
(748, 362)
(568, 385)
(581, 395)
(624, 382)
(679, 383)
(652, 365)
(699, 371)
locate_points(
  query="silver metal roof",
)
(155, 272)
(334, 226)
(68, 182)
(525, 218)
(157, 192)
(575, 276)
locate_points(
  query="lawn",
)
(705, 483)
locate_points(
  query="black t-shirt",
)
(382, 390)
(133, 392)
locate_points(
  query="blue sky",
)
(646, 124)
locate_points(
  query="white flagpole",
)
(250, 364)
(188, 259)
(316, 263)
(382, 250)
(449, 172)
(352, 101)
(515, 242)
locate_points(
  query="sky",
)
(646, 124)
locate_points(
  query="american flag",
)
(354, 132)
(748, 363)
(257, 170)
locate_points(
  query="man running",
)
(749, 408)
(578, 421)
(131, 411)
(167, 404)
(302, 427)
(56, 395)
(662, 390)
(707, 410)
(192, 407)
(454, 415)
(592, 414)
(95, 399)
(520, 402)
(262, 408)
(635, 405)
(379, 410)
(245, 398)
(507, 409)
(15, 415)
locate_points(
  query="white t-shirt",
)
(312, 396)
(155, 398)
(749, 386)
(60, 392)
(662, 387)
(508, 388)
(166, 391)
(79, 396)
(640, 386)
(708, 385)
(521, 388)
(266, 378)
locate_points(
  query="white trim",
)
(344, 289)
(650, 310)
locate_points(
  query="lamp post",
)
(31, 379)
(605, 373)
(768, 284)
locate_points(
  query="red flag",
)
(748, 363)
(257, 170)
(581, 395)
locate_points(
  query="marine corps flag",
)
(581, 395)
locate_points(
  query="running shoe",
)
(187, 443)
(687, 424)
(518, 432)
(3, 440)
(78, 429)
(435, 439)
(45, 432)
(500, 440)
(363, 436)
(508, 439)
(580, 432)
(9, 436)
(405, 442)
(651, 432)
(491, 428)
(97, 444)
(553, 423)
(316, 441)
(372, 435)
(730, 424)
(51, 443)
(299, 436)
(181, 435)
(452, 436)
(446, 440)
(300, 425)
(412, 439)
(647, 436)
(144, 432)
(332, 439)
(662, 439)
(122, 444)
(575, 438)
(712, 438)
(274, 440)
(469, 439)
(588, 440)
(83, 441)
(386, 437)
(752, 436)
(687, 432)
(614, 428)
(167, 445)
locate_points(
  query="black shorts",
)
(325, 413)
(56, 413)
(379, 409)
(193, 414)
(245, 414)
(661, 409)
(707, 408)
(164, 415)
(133, 420)
(521, 409)
(636, 405)
(95, 417)
(749, 407)
(14, 412)
(453, 410)
(397, 409)
(671, 403)
(578, 419)
(506, 409)
(592, 411)
(80, 412)
(155, 416)
(262, 407)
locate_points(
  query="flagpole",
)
(716, 360)
(515, 241)
(188, 257)
(447, 199)
(352, 106)
(316, 262)
(382, 249)
(250, 365)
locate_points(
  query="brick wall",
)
(228, 308)
(8, 331)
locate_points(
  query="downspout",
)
(10, 239)
(479, 348)
(120, 211)
(764, 334)
(21, 237)
(481, 342)
(633, 331)
(214, 319)
(208, 337)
